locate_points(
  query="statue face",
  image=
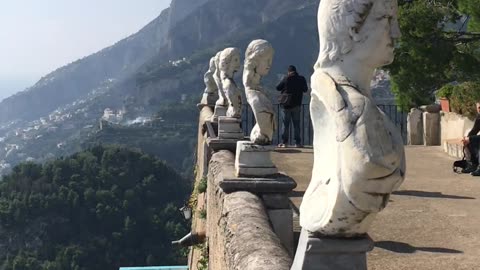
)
(235, 64)
(380, 31)
(264, 64)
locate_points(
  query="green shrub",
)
(464, 97)
(446, 91)
(202, 185)
(203, 214)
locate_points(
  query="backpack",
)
(285, 99)
(459, 165)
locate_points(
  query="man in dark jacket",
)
(294, 85)
(472, 143)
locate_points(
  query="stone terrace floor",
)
(432, 222)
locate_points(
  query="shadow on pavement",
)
(400, 247)
(427, 194)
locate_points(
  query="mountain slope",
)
(78, 79)
(290, 26)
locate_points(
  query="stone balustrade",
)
(245, 229)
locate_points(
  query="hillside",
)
(186, 26)
(40, 123)
(99, 209)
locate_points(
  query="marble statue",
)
(258, 61)
(221, 103)
(358, 152)
(222, 100)
(210, 95)
(229, 64)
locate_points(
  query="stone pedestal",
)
(431, 129)
(253, 160)
(219, 111)
(282, 225)
(230, 128)
(415, 127)
(314, 253)
(208, 99)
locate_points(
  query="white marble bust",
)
(210, 94)
(228, 65)
(258, 61)
(358, 152)
(222, 100)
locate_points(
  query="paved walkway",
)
(432, 222)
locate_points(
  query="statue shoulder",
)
(324, 87)
(342, 99)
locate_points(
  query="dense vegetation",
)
(439, 46)
(99, 209)
(463, 97)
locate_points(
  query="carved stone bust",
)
(228, 65)
(258, 61)
(359, 154)
(210, 95)
(218, 80)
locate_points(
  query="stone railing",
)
(246, 226)
(423, 126)
(238, 227)
(427, 126)
(453, 127)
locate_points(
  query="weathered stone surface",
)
(239, 232)
(276, 201)
(217, 144)
(228, 65)
(358, 151)
(254, 160)
(431, 129)
(221, 105)
(415, 127)
(210, 94)
(316, 253)
(229, 128)
(258, 61)
(275, 184)
(219, 111)
(433, 108)
(203, 156)
(454, 126)
(282, 223)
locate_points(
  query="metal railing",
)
(398, 117)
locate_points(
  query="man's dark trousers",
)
(474, 149)
(291, 115)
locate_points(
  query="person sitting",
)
(472, 147)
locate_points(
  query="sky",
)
(39, 36)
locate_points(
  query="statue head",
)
(230, 61)
(362, 30)
(259, 57)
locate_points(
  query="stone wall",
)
(454, 126)
(239, 232)
(201, 170)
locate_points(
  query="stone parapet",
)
(239, 232)
(454, 126)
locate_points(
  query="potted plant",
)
(444, 95)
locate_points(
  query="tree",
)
(436, 48)
(99, 209)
